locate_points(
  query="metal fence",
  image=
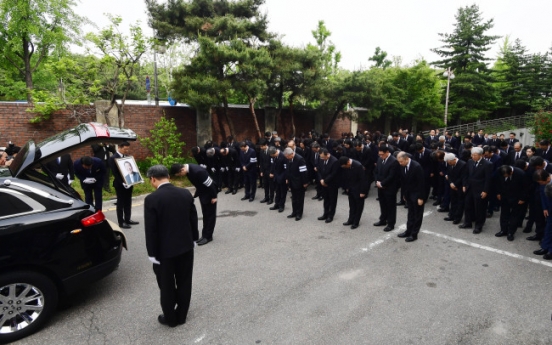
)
(496, 125)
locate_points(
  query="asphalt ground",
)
(266, 279)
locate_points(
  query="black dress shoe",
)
(403, 235)
(298, 218)
(400, 203)
(203, 241)
(533, 238)
(264, 200)
(411, 238)
(131, 222)
(489, 215)
(437, 203)
(347, 223)
(500, 234)
(280, 210)
(124, 226)
(448, 219)
(322, 218)
(163, 321)
(354, 226)
(477, 230)
(293, 215)
(245, 198)
(540, 251)
(456, 222)
(270, 202)
(510, 237)
(527, 230)
(274, 207)
(380, 223)
(388, 228)
(228, 191)
(329, 220)
(251, 199)
(465, 226)
(547, 256)
(320, 198)
(442, 209)
(315, 197)
(234, 192)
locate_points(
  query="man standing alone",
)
(122, 190)
(171, 228)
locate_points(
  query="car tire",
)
(18, 309)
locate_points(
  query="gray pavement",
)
(266, 279)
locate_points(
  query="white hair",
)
(449, 157)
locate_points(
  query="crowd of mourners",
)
(469, 177)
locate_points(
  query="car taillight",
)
(94, 219)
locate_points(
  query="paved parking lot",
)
(266, 279)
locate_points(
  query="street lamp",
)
(449, 75)
(159, 47)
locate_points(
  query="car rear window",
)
(12, 205)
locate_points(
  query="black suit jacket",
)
(65, 167)
(329, 172)
(413, 182)
(296, 172)
(170, 219)
(516, 188)
(279, 168)
(357, 183)
(97, 171)
(458, 174)
(206, 188)
(103, 152)
(388, 174)
(512, 157)
(479, 179)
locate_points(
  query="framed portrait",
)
(129, 170)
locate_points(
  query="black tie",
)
(406, 170)
(383, 161)
(476, 163)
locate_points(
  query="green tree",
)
(472, 94)
(379, 58)
(164, 143)
(120, 60)
(31, 30)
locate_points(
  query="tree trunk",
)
(292, 117)
(280, 106)
(27, 54)
(252, 109)
(230, 123)
(334, 117)
(387, 126)
(414, 126)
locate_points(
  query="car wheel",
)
(27, 300)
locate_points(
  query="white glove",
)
(89, 180)
(222, 169)
(153, 260)
(60, 176)
(70, 181)
(238, 169)
(126, 186)
(213, 169)
(203, 166)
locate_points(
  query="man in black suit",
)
(456, 178)
(278, 173)
(122, 189)
(297, 179)
(314, 161)
(424, 158)
(357, 189)
(387, 182)
(91, 172)
(479, 139)
(230, 160)
(206, 190)
(103, 152)
(512, 139)
(170, 220)
(544, 150)
(328, 174)
(415, 195)
(477, 188)
(430, 139)
(248, 162)
(512, 190)
(63, 169)
(265, 165)
(515, 154)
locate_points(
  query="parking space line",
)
(487, 248)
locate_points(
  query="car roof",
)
(82, 135)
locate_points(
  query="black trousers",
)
(250, 183)
(509, 215)
(388, 206)
(536, 215)
(95, 188)
(124, 203)
(209, 212)
(297, 200)
(476, 209)
(233, 178)
(268, 184)
(174, 278)
(281, 194)
(330, 195)
(414, 218)
(457, 199)
(356, 206)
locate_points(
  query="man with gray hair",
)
(456, 178)
(170, 219)
(415, 195)
(477, 188)
(297, 179)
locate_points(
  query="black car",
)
(51, 242)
